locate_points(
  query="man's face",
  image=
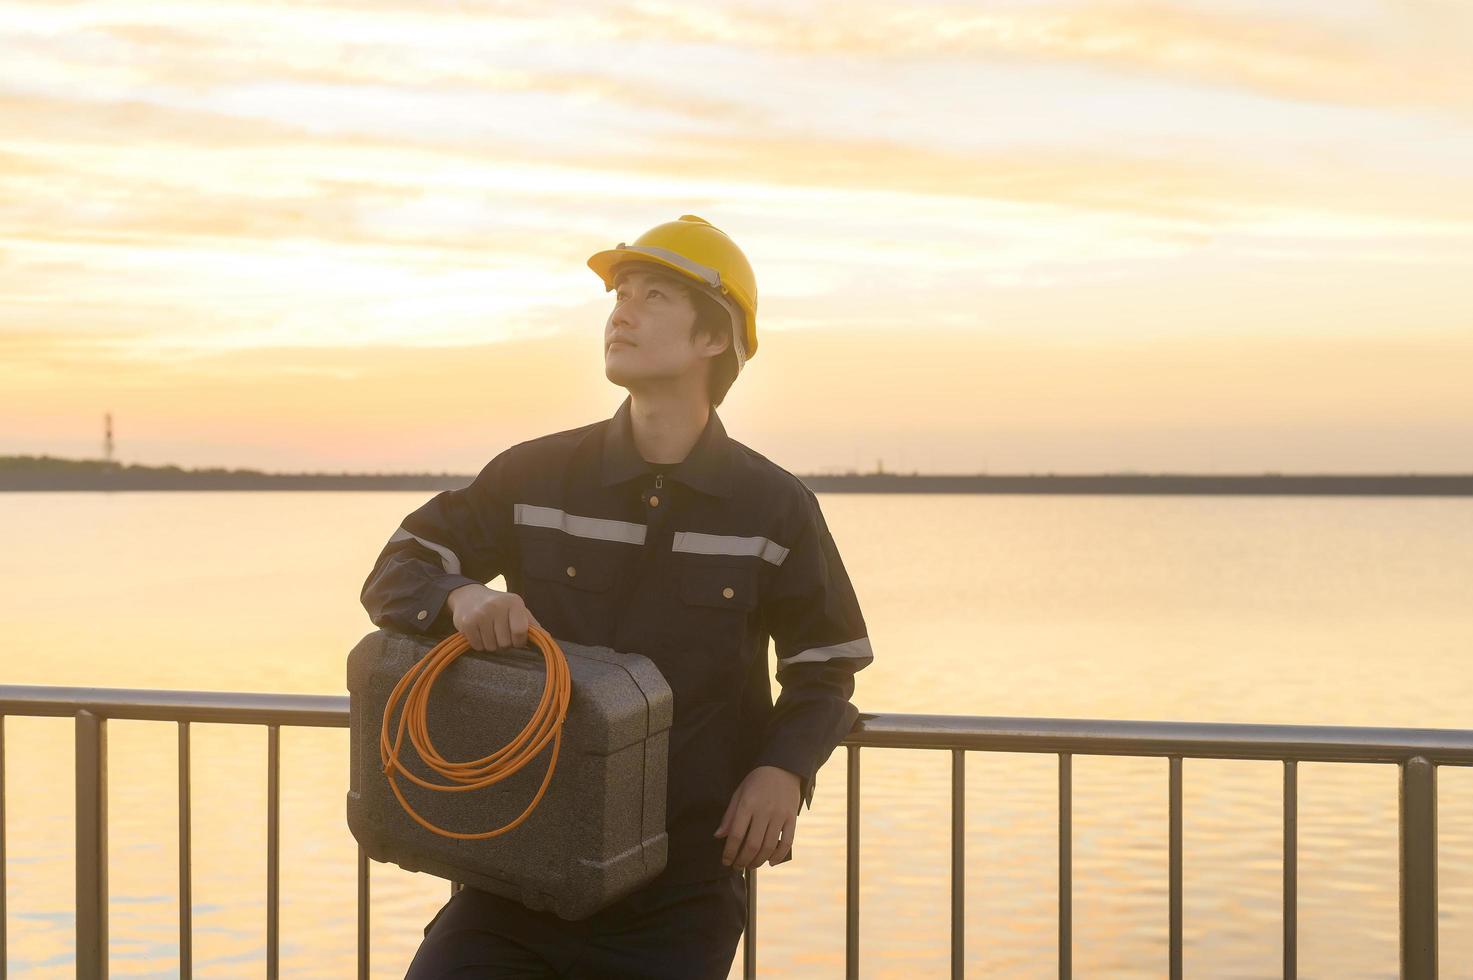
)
(647, 336)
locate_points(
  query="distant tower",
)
(107, 439)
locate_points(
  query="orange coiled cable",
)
(546, 722)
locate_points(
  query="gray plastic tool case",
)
(598, 832)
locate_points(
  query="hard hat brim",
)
(606, 264)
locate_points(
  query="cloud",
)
(1193, 187)
(185, 173)
(1416, 58)
(1411, 55)
(246, 173)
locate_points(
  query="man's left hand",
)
(761, 817)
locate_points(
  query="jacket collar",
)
(704, 468)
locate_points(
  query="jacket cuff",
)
(429, 613)
(785, 756)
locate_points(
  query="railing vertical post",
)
(1066, 866)
(273, 851)
(3, 956)
(1291, 869)
(1173, 913)
(851, 870)
(363, 897)
(1418, 833)
(186, 862)
(749, 941)
(958, 863)
(91, 860)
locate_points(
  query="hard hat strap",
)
(738, 326)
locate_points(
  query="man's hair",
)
(712, 323)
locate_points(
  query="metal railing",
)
(1417, 752)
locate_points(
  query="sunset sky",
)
(1230, 236)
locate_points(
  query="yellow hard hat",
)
(698, 250)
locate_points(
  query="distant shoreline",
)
(50, 473)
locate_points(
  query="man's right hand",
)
(490, 620)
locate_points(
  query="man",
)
(655, 533)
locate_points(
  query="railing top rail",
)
(1111, 736)
(238, 707)
(1082, 736)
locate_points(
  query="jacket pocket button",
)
(728, 592)
(572, 571)
(422, 614)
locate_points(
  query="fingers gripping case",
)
(599, 831)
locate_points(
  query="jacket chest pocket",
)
(569, 587)
(727, 586)
(712, 624)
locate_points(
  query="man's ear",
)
(716, 347)
(710, 348)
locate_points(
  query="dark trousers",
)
(685, 931)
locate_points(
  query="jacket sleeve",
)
(821, 642)
(457, 537)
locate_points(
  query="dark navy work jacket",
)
(693, 564)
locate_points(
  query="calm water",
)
(1276, 609)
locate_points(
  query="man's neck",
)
(666, 426)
